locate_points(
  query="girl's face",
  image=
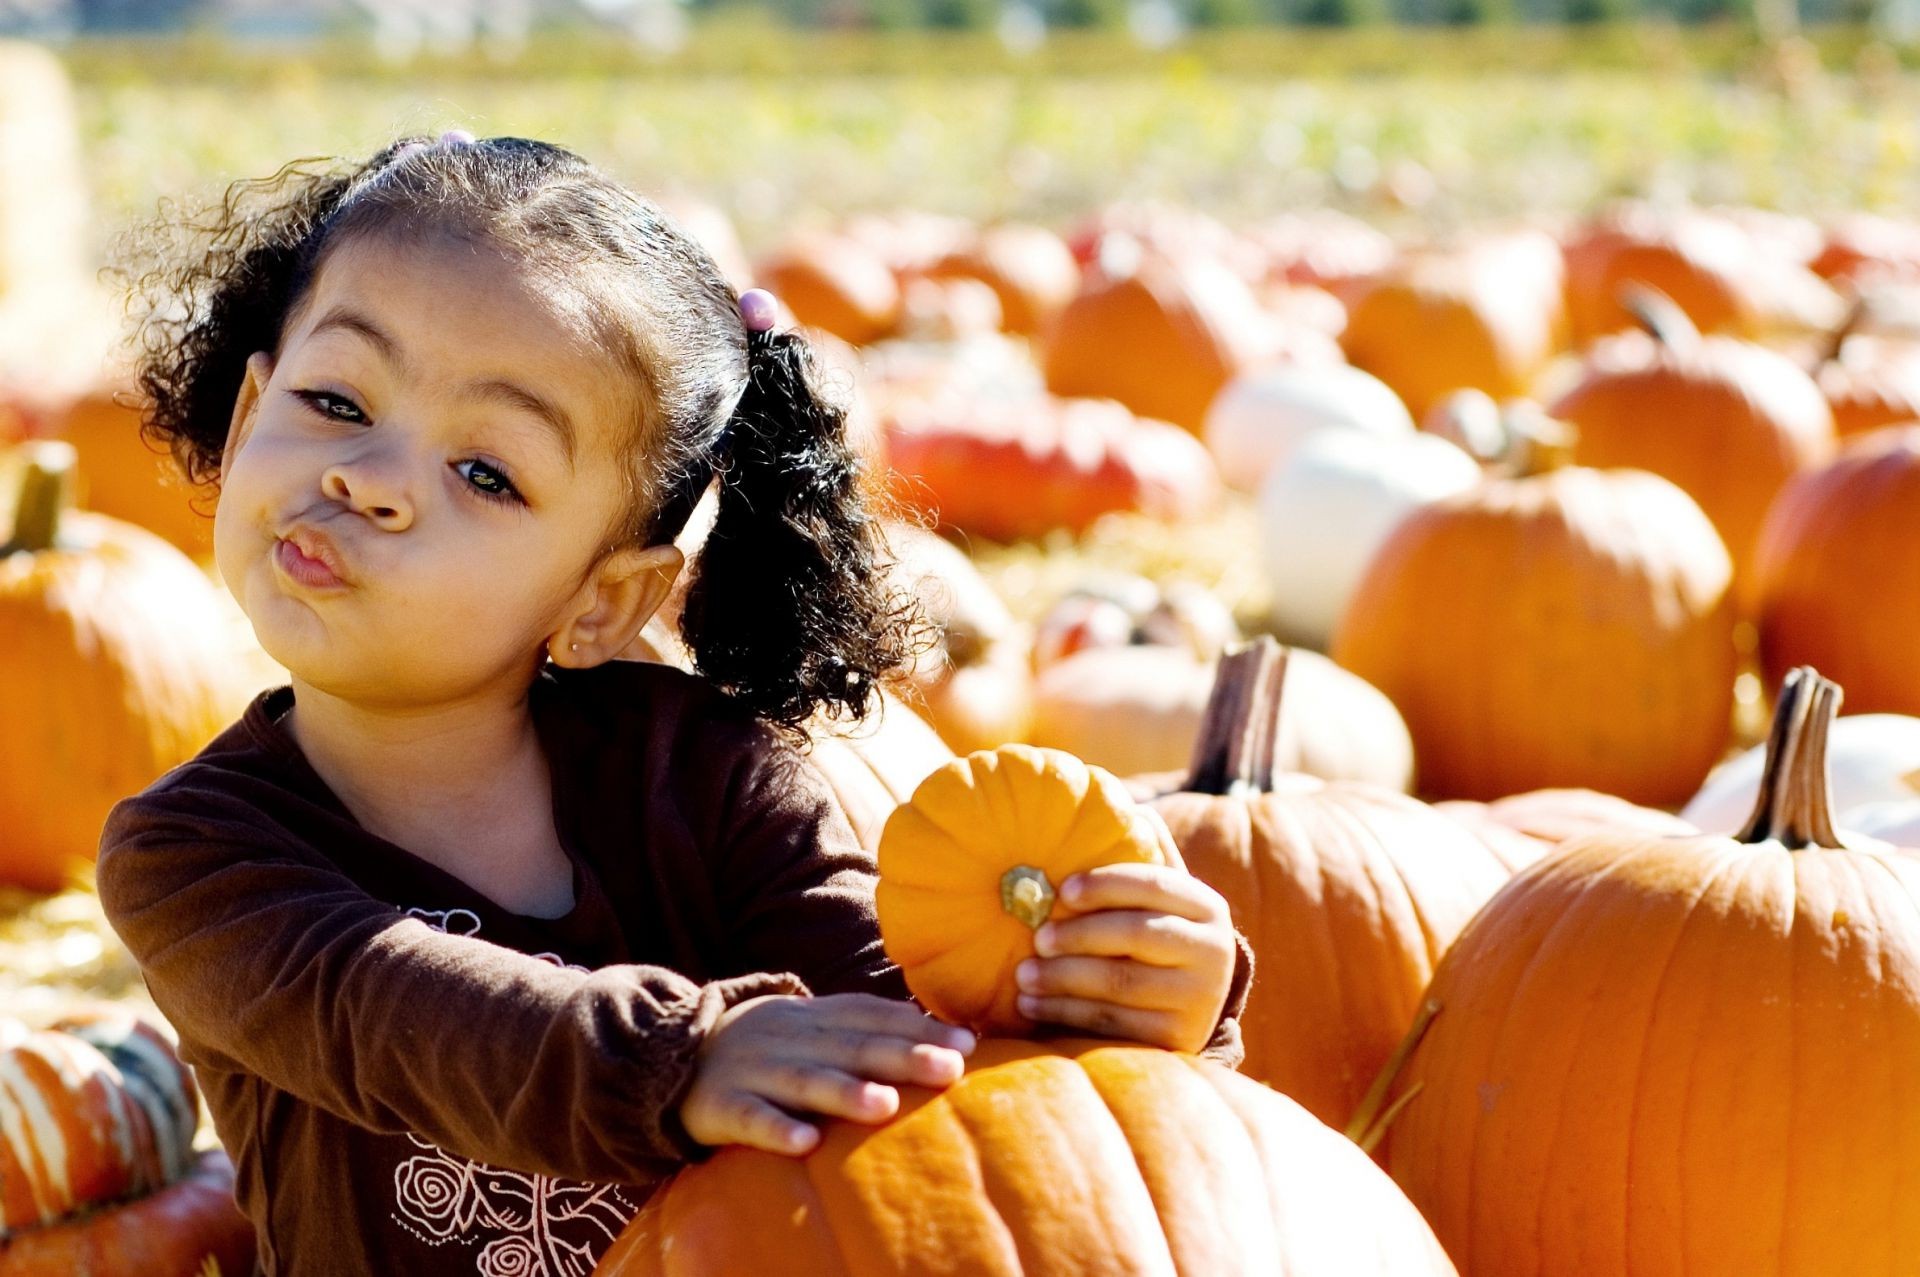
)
(411, 494)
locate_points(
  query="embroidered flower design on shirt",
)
(526, 1225)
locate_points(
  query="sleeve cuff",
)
(1225, 1046)
(715, 998)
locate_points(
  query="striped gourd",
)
(94, 1109)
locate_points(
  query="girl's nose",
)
(370, 488)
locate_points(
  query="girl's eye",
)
(489, 481)
(328, 404)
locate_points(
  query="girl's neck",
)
(460, 784)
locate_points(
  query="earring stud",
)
(576, 647)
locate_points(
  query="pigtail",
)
(790, 609)
(222, 288)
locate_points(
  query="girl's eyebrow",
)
(547, 413)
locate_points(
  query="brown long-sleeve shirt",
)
(412, 1079)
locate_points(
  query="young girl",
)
(473, 933)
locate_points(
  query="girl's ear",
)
(627, 590)
(246, 404)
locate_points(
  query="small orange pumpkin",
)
(1161, 334)
(970, 865)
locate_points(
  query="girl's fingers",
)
(1161, 939)
(752, 1121)
(887, 1059)
(1154, 887)
(868, 1014)
(1156, 1028)
(817, 1088)
(1120, 981)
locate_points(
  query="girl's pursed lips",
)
(310, 556)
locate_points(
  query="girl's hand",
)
(1148, 955)
(828, 1055)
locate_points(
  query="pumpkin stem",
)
(1370, 1120)
(1026, 893)
(43, 495)
(1792, 807)
(1237, 752)
(1660, 315)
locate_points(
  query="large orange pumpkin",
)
(1839, 536)
(1349, 893)
(970, 865)
(1728, 421)
(1060, 1159)
(1681, 1055)
(120, 662)
(1570, 629)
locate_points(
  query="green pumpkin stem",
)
(1660, 315)
(1793, 807)
(1370, 1120)
(1027, 894)
(44, 490)
(1238, 748)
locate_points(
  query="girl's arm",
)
(269, 961)
(802, 894)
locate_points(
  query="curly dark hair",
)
(790, 609)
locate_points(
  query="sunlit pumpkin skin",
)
(975, 685)
(1488, 319)
(1681, 1055)
(121, 475)
(1349, 893)
(1162, 335)
(969, 868)
(1048, 1159)
(876, 767)
(123, 666)
(1727, 420)
(177, 1231)
(1014, 469)
(92, 1109)
(1724, 276)
(836, 283)
(1838, 536)
(1138, 710)
(1524, 827)
(1870, 383)
(1029, 267)
(1571, 629)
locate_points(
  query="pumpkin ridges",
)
(1066, 1163)
(1204, 1196)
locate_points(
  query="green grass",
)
(1508, 123)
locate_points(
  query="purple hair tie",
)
(758, 309)
(456, 137)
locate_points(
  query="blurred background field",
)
(1414, 128)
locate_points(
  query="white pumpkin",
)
(1874, 763)
(1259, 418)
(1325, 512)
(1137, 710)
